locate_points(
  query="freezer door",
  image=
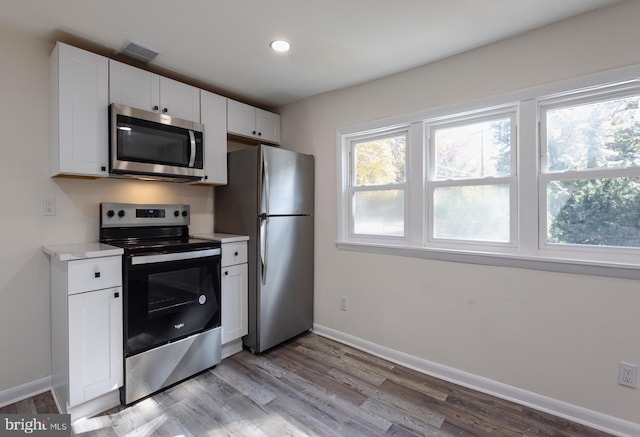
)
(286, 182)
(284, 279)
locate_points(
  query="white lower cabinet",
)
(86, 334)
(95, 344)
(234, 302)
(235, 309)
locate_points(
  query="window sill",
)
(612, 270)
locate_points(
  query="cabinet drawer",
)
(94, 274)
(234, 253)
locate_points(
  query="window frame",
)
(352, 188)
(528, 253)
(432, 183)
(596, 94)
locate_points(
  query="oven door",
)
(169, 296)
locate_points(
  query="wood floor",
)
(312, 386)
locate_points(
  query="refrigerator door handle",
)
(265, 181)
(264, 246)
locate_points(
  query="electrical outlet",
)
(49, 206)
(343, 303)
(628, 375)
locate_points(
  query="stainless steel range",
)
(171, 288)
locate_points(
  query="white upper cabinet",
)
(133, 87)
(213, 112)
(179, 99)
(248, 121)
(142, 89)
(268, 125)
(80, 101)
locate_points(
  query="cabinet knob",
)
(235, 254)
(259, 133)
(116, 295)
(226, 273)
(103, 168)
(254, 132)
(96, 275)
(165, 110)
(156, 107)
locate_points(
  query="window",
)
(472, 178)
(378, 184)
(591, 169)
(547, 179)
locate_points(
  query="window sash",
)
(597, 94)
(353, 188)
(433, 183)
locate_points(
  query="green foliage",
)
(600, 212)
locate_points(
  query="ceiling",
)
(335, 43)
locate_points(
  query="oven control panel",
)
(129, 214)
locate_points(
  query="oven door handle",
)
(177, 256)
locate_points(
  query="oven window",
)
(171, 292)
(167, 301)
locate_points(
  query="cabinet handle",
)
(116, 295)
(103, 168)
(96, 275)
(156, 107)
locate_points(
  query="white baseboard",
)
(24, 391)
(594, 419)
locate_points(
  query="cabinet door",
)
(234, 302)
(241, 119)
(268, 126)
(213, 114)
(80, 114)
(133, 87)
(179, 99)
(95, 344)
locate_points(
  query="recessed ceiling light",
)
(280, 45)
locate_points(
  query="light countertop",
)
(69, 252)
(222, 238)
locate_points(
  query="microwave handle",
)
(192, 159)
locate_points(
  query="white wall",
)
(24, 184)
(558, 335)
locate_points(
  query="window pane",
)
(478, 213)
(381, 161)
(599, 212)
(474, 150)
(597, 135)
(379, 213)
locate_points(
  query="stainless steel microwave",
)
(151, 145)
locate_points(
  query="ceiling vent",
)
(137, 52)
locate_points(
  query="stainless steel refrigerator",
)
(269, 197)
